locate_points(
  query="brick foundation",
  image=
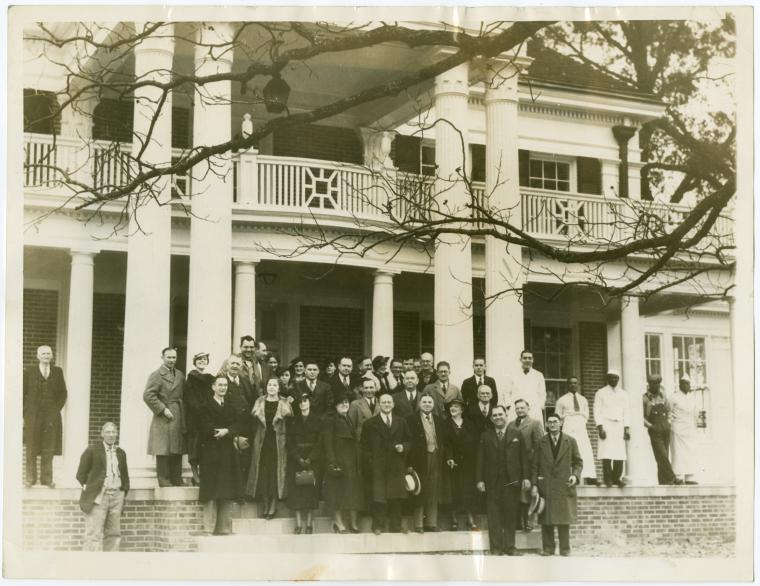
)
(173, 521)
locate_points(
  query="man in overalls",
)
(657, 421)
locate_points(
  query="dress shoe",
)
(51, 484)
(472, 527)
(309, 529)
(337, 529)
(513, 553)
(608, 485)
(454, 526)
(620, 483)
(353, 529)
(298, 530)
(678, 481)
(419, 530)
(545, 553)
(431, 529)
(164, 482)
(692, 482)
(377, 531)
(565, 553)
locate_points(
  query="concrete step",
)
(366, 543)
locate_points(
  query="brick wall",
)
(593, 355)
(406, 334)
(107, 353)
(613, 519)
(329, 332)
(146, 525)
(40, 322)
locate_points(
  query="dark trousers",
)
(503, 509)
(613, 471)
(547, 537)
(46, 467)
(660, 440)
(382, 513)
(169, 470)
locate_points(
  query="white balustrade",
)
(48, 159)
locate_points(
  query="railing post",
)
(248, 178)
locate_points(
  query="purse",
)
(305, 478)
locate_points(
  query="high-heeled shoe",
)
(454, 525)
(337, 529)
(309, 529)
(353, 529)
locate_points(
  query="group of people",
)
(391, 438)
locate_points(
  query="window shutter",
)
(39, 106)
(406, 153)
(524, 163)
(181, 128)
(478, 154)
(112, 120)
(589, 175)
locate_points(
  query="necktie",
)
(345, 381)
(46, 371)
(480, 381)
(387, 421)
(172, 371)
(484, 409)
(372, 406)
(500, 435)
(311, 386)
(428, 417)
(576, 405)
(443, 388)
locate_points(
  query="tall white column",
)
(209, 311)
(641, 468)
(504, 277)
(147, 305)
(78, 363)
(382, 314)
(453, 256)
(245, 301)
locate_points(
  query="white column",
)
(382, 314)
(641, 469)
(147, 305)
(78, 364)
(245, 301)
(453, 256)
(504, 277)
(209, 311)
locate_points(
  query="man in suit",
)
(556, 470)
(480, 412)
(241, 394)
(502, 472)
(396, 377)
(163, 395)
(471, 385)
(362, 409)
(406, 400)
(320, 393)
(254, 365)
(343, 381)
(104, 477)
(44, 396)
(531, 431)
(442, 389)
(380, 369)
(426, 456)
(385, 443)
(426, 374)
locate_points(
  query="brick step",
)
(366, 543)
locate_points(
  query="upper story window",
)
(550, 172)
(40, 112)
(413, 154)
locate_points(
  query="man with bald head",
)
(44, 396)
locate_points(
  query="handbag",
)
(305, 478)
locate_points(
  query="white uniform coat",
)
(611, 412)
(574, 424)
(683, 432)
(530, 386)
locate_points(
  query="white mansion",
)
(564, 142)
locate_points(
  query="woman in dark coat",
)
(463, 438)
(196, 392)
(266, 477)
(221, 479)
(344, 489)
(285, 377)
(303, 454)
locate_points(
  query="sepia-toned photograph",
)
(382, 293)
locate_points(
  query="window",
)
(653, 353)
(552, 356)
(690, 357)
(413, 154)
(549, 172)
(427, 159)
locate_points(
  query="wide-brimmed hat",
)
(413, 484)
(537, 505)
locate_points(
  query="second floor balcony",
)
(291, 188)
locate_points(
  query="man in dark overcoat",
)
(163, 395)
(343, 381)
(531, 430)
(479, 412)
(221, 476)
(502, 472)
(320, 392)
(471, 385)
(385, 443)
(44, 396)
(406, 400)
(557, 468)
(104, 477)
(427, 456)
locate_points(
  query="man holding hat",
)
(611, 417)
(502, 472)
(683, 409)
(556, 470)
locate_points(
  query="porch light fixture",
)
(276, 94)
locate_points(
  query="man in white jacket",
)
(611, 417)
(529, 385)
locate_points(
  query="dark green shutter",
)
(589, 175)
(478, 153)
(406, 153)
(524, 163)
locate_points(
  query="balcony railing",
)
(298, 185)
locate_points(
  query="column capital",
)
(386, 272)
(83, 254)
(623, 134)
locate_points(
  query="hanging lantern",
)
(276, 94)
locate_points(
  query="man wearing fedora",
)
(427, 456)
(556, 470)
(502, 471)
